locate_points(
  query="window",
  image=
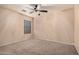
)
(27, 26)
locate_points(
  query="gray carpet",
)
(38, 47)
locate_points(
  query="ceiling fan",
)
(36, 8)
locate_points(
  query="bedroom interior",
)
(39, 29)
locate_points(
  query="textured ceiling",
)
(22, 7)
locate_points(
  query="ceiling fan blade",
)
(43, 10)
(36, 6)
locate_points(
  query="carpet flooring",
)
(37, 47)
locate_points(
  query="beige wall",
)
(77, 27)
(56, 25)
(11, 27)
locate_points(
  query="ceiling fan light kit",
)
(36, 8)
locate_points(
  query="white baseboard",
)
(58, 41)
